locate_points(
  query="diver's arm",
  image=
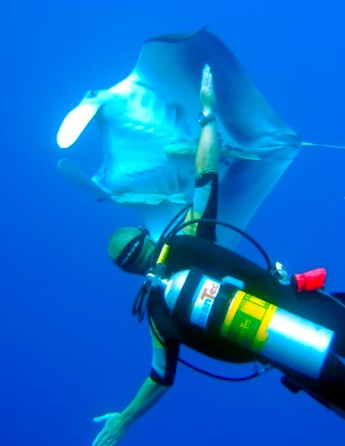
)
(117, 423)
(164, 363)
(205, 200)
(148, 395)
(207, 154)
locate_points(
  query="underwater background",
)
(70, 348)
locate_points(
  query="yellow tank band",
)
(262, 335)
(247, 320)
(235, 303)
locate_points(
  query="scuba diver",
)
(200, 294)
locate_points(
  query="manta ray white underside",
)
(150, 132)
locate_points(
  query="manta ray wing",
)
(150, 132)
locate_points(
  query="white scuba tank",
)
(272, 332)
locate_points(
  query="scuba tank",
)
(226, 310)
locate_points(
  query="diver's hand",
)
(207, 96)
(114, 429)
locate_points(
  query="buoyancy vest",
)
(217, 262)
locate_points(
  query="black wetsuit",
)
(204, 253)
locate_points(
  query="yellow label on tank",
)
(247, 320)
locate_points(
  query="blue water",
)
(70, 349)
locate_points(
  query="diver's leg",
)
(328, 389)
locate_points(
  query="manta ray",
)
(149, 132)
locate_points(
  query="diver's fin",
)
(295, 388)
(328, 146)
(76, 175)
(328, 389)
